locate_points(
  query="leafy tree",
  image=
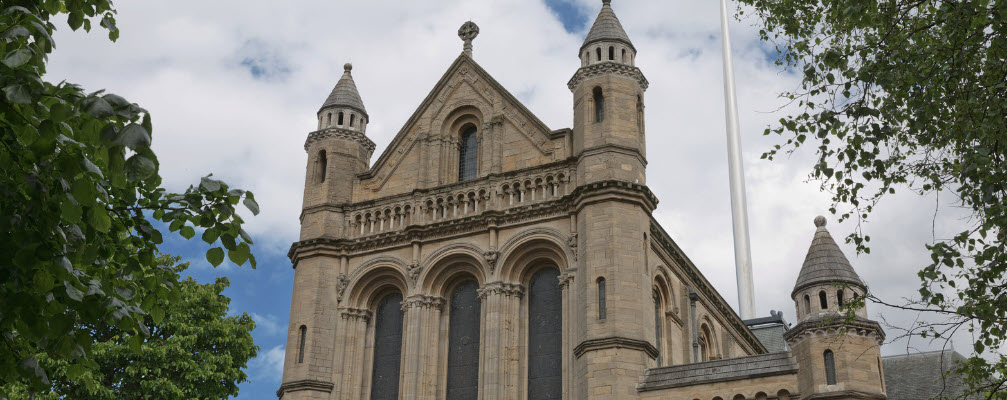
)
(194, 351)
(79, 187)
(910, 96)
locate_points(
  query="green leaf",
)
(252, 206)
(187, 232)
(100, 220)
(139, 167)
(209, 184)
(18, 94)
(211, 235)
(98, 108)
(240, 253)
(75, 20)
(90, 167)
(73, 292)
(215, 256)
(133, 136)
(71, 213)
(17, 58)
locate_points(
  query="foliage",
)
(910, 95)
(194, 351)
(79, 184)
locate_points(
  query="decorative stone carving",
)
(608, 68)
(491, 259)
(421, 301)
(504, 288)
(572, 242)
(342, 281)
(566, 278)
(467, 33)
(340, 134)
(359, 314)
(414, 272)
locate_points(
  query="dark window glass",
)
(611, 53)
(657, 327)
(807, 304)
(598, 50)
(601, 299)
(469, 155)
(599, 105)
(830, 368)
(624, 55)
(340, 122)
(839, 297)
(353, 118)
(387, 348)
(300, 354)
(463, 343)
(545, 322)
(824, 300)
(323, 166)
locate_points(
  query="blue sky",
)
(233, 87)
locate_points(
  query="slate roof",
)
(921, 376)
(345, 93)
(731, 369)
(607, 28)
(771, 336)
(825, 262)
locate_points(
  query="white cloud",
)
(197, 72)
(268, 364)
(268, 324)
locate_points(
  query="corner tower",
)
(337, 152)
(839, 354)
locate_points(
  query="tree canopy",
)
(910, 96)
(79, 192)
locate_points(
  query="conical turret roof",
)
(825, 262)
(345, 93)
(607, 28)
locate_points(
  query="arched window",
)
(601, 299)
(598, 50)
(611, 53)
(657, 327)
(300, 351)
(830, 368)
(839, 297)
(545, 321)
(807, 304)
(704, 344)
(639, 114)
(599, 105)
(463, 342)
(353, 119)
(623, 56)
(328, 120)
(823, 299)
(387, 348)
(468, 154)
(323, 166)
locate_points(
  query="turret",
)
(337, 152)
(609, 105)
(839, 356)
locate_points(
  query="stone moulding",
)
(355, 313)
(615, 342)
(504, 288)
(846, 394)
(663, 240)
(340, 134)
(296, 386)
(582, 195)
(835, 324)
(726, 370)
(423, 301)
(608, 67)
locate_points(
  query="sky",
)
(233, 87)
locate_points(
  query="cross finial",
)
(467, 33)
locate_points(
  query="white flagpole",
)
(739, 207)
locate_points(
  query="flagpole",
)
(739, 207)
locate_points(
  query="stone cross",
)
(467, 32)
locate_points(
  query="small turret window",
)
(601, 299)
(323, 166)
(830, 368)
(468, 154)
(328, 120)
(807, 304)
(623, 56)
(353, 119)
(598, 50)
(340, 119)
(599, 105)
(824, 300)
(300, 352)
(839, 297)
(611, 53)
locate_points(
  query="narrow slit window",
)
(657, 328)
(601, 299)
(807, 304)
(353, 119)
(823, 299)
(624, 56)
(839, 297)
(468, 155)
(611, 53)
(340, 119)
(598, 50)
(328, 120)
(830, 368)
(599, 105)
(300, 352)
(323, 166)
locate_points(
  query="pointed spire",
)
(345, 93)
(607, 28)
(825, 263)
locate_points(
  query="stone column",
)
(499, 377)
(569, 333)
(419, 346)
(353, 337)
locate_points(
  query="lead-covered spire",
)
(825, 263)
(607, 28)
(343, 108)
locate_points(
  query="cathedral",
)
(483, 255)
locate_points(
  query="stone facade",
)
(634, 317)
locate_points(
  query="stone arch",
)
(709, 329)
(739, 396)
(450, 263)
(783, 394)
(374, 279)
(528, 249)
(456, 114)
(761, 396)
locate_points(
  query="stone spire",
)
(825, 262)
(607, 28)
(345, 93)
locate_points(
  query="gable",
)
(422, 155)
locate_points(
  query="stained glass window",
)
(387, 348)
(545, 338)
(463, 342)
(468, 157)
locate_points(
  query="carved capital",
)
(355, 314)
(421, 301)
(501, 288)
(566, 278)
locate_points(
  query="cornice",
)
(340, 133)
(834, 324)
(307, 384)
(607, 67)
(615, 342)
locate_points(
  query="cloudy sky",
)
(233, 87)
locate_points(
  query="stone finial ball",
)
(820, 221)
(606, 2)
(347, 67)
